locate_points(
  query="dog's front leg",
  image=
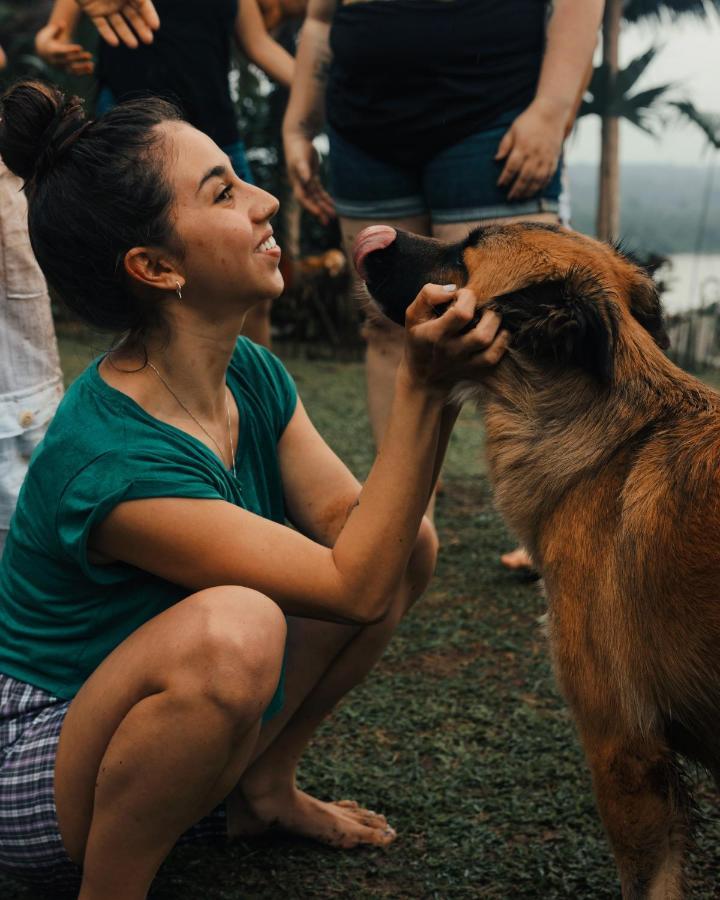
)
(644, 807)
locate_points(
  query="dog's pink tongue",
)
(376, 237)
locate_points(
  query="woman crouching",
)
(168, 643)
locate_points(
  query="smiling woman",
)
(168, 645)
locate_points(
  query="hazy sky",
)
(690, 58)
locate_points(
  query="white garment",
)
(30, 375)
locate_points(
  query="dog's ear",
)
(646, 307)
(570, 321)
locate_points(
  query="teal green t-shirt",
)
(61, 615)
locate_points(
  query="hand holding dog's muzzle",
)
(442, 345)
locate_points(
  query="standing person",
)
(187, 62)
(442, 115)
(149, 569)
(30, 376)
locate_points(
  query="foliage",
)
(608, 97)
(708, 122)
(636, 10)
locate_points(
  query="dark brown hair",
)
(95, 189)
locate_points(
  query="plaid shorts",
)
(30, 844)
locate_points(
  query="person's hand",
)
(441, 350)
(3, 58)
(303, 165)
(52, 46)
(122, 20)
(531, 149)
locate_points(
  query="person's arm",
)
(259, 46)
(533, 143)
(54, 43)
(200, 543)
(305, 115)
(3, 59)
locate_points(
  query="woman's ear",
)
(150, 267)
(568, 321)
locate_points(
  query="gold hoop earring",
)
(178, 290)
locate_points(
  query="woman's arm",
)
(305, 115)
(259, 46)
(533, 143)
(200, 543)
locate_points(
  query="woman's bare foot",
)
(517, 559)
(343, 824)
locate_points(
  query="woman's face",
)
(229, 258)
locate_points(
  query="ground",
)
(458, 736)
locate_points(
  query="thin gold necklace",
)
(200, 424)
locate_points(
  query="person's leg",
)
(257, 324)
(384, 338)
(324, 662)
(161, 732)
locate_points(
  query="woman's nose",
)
(264, 206)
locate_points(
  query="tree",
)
(612, 100)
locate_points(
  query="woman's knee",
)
(234, 648)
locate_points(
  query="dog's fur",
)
(605, 461)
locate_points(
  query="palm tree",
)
(611, 94)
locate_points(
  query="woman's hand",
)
(531, 148)
(52, 45)
(303, 167)
(441, 350)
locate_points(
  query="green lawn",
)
(459, 735)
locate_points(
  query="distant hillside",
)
(661, 206)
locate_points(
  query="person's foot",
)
(517, 560)
(342, 824)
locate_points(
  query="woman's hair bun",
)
(36, 122)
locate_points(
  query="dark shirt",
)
(411, 77)
(188, 62)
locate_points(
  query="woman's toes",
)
(350, 804)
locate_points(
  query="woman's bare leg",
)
(324, 662)
(161, 732)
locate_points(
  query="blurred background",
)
(642, 162)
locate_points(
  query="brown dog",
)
(605, 460)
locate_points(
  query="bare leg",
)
(325, 661)
(384, 338)
(161, 732)
(257, 324)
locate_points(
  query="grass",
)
(459, 735)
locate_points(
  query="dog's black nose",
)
(375, 237)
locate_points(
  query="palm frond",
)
(707, 122)
(634, 10)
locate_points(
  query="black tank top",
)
(411, 77)
(188, 62)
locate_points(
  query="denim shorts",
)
(459, 184)
(31, 848)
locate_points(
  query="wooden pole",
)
(608, 214)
